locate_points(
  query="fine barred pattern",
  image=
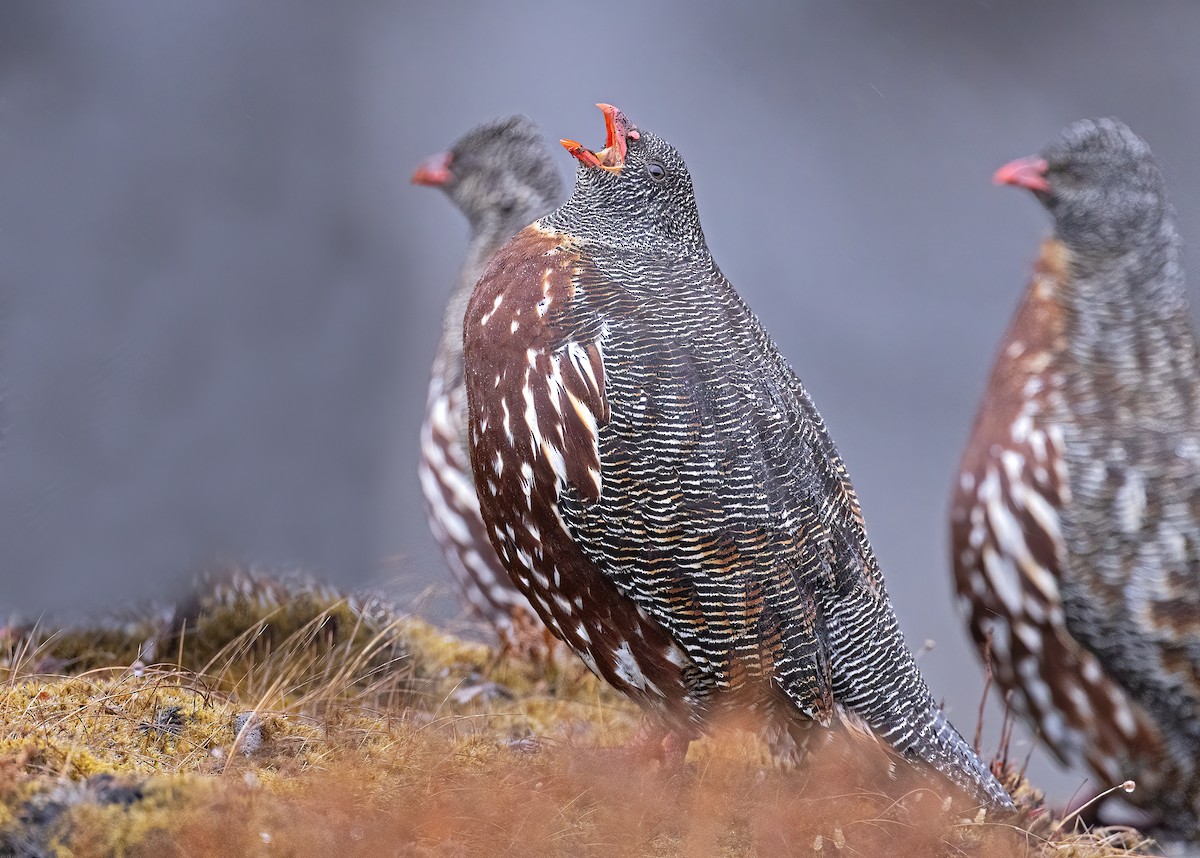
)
(1076, 516)
(660, 485)
(501, 177)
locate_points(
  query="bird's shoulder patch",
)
(522, 290)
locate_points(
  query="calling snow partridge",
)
(501, 177)
(1076, 517)
(657, 480)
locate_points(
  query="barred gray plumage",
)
(658, 482)
(501, 176)
(1076, 518)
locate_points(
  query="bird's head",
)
(635, 191)
(1099, 182)
(499, 174)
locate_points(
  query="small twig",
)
(987, 686)
(1006, 729)
(1127, 786)
(1028, 757)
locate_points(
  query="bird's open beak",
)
(1027, 173)
(434, 170)
(618, 131)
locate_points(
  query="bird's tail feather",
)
(876, 678)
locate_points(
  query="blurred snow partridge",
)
(501, 176)
(1076, 517)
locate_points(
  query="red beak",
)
(585, 155)
(618, 131)
(1027, 173)
(434, 170)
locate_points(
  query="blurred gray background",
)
(221, 295)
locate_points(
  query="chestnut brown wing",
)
(536, 403)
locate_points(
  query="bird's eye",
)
(507, 203)
(656, 171)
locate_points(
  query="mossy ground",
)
(286, 720)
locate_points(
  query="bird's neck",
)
(627, 229)
(1137, 297)
(1130, 328)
